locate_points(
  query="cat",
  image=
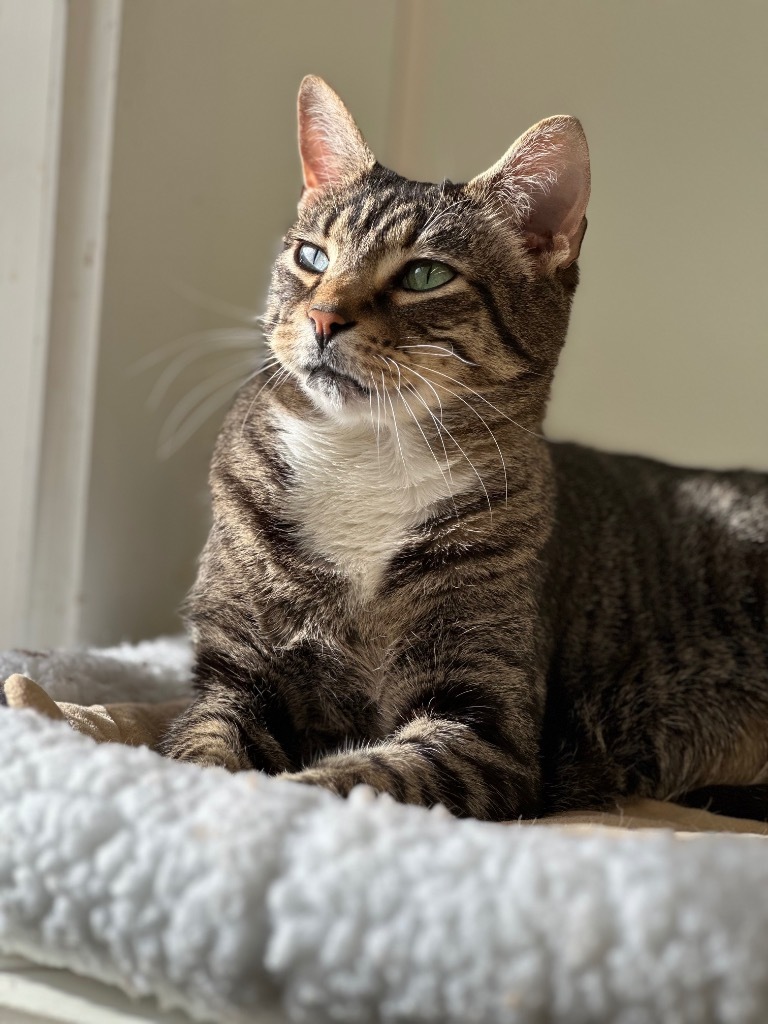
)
(405, 583)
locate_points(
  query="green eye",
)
(424, 275)
(312, 258)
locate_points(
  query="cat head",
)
(414, 291)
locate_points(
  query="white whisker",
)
(171, 373)
(184, 426)
(442, 427)
(248, 411)
(394, 421)
(220, 306)
(448, 483)
(227, 337)
(439, 351)
(430, 369)
(493, 436)
(472, 466)
(426, 406)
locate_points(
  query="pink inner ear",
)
(317, 161)
(556, 160)
(559, 208)
(332, 149)
(543, 181)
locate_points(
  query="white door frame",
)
(59, 61)
(32, 41)
(90, 87)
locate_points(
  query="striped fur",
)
(405, 584)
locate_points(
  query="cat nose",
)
(327, 323)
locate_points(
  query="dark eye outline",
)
(428, 263)
(306, 263)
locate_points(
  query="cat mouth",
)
(331, 381)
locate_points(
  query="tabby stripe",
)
(393, 219)
(379, 210)
(409, 239)
(333, 215)
(394, 783)
(509, 793)
(271, 527)
(502, 330)
(279, 468)
(451, 789)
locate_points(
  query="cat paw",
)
(340, 781)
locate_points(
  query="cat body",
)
(657, 602)
(405, 584)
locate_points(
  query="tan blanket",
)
(144, 724)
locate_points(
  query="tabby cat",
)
(405, 584)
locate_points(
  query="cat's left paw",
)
(340, 781)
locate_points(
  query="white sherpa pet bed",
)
(226, 895)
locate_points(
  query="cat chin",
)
(346, 406)
(337, 396)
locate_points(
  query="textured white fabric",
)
(154, 670)
(221, 893)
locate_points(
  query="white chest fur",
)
(356, 501)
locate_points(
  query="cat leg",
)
(479, 757)
(222, 728)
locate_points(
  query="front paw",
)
(339, 780)
(215, 743)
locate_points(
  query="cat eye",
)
(310, 257)
(424, 275)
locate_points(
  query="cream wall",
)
(205, 182)
(668, 349)
(667, 353)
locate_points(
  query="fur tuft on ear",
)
(541, 185)
(331, 146)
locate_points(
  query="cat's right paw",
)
(213, 743)
(206, 755)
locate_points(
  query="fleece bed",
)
(226, 896)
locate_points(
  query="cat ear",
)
(542, 184)
(331, 146)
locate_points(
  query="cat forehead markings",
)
(349, 234)
(377, 216)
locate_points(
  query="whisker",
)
(441, 426)
(378, 427)
(172, 372)
(227, 337)
(188, 424)
(493, 436)
(394, 421)
(429, 385)
(415, 419)
(430, 369)
(199, 393)
(440, 351)
(472, 466)
(280, 381)
(249, 410)
(205, 301)
(426, 406)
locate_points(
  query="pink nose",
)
(326, 323)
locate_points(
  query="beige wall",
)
(668, 352)
(205, 182)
